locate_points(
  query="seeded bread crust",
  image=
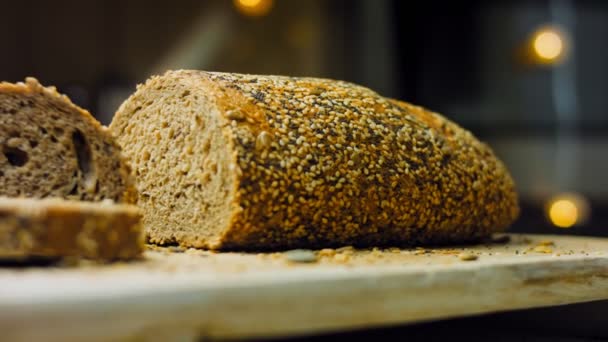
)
(53, 148)
(232, 161)
(55, 227)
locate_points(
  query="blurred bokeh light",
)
(254, 7)
(548, 45)
(568, 210)
(563, 213)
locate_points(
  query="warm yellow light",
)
(250, 3)
(563, 213)
(568, 209)
(253, 7)
(548, 45)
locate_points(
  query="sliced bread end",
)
(56, 227)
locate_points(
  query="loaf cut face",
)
(54, 227)
(232, 161)
(52, 148)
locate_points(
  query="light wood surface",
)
(192, 294)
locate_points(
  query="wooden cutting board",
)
(186, 294)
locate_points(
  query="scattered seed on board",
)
(467, 256)
(327, 252)
(194, 251)
(301, 255)
(546, 243)
(341, 258)
(542, 249)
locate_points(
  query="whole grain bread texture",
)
(233, 161)
(52, 148)
(54, 227)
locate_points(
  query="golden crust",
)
(350, 167)
(60, 228)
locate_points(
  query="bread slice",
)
(49, 147)
(232, 161)
(55, 227)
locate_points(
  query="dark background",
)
(470, 60)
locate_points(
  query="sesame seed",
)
(235, 114)
(263, 141)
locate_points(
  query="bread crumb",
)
(327, 252)
(376, 253)
(341, 258)
(546, 243)
(467, 256)
(194, 251)
(543, 249)
(275, 256)
(449, 252)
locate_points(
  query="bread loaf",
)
(52, 148)
(60, 228)
(231, 161)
